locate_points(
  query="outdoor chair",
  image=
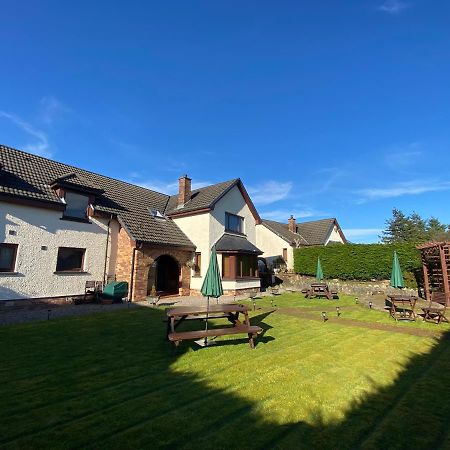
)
(436, 310)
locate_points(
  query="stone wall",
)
(357, 288)
(144, 258)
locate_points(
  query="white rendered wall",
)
(196, 228)
(204, 230)
(233, 203)
(272, 246)
(36, 227)
(334, 236)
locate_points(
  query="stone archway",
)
(164, 275)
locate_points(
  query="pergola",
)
(436, 267)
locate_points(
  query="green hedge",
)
(357, 261)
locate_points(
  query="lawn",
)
(111, 381)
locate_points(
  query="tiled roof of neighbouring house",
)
(29, 177)
(315, 232)
(282, 230)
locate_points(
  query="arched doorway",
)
(164, 274)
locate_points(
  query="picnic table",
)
(402, 307)
(320, 290)
(176, 316)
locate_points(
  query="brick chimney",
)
(184, 190)
(292, 225)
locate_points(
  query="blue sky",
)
(332, 108)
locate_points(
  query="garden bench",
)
(436, 313)
(251, 331)
(175, 316)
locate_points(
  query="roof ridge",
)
(84, 170)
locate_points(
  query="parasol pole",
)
(206, 327)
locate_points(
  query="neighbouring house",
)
(277, 240)
(64, 226)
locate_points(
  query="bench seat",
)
(198, 334)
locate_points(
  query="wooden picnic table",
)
(176, 316)
(402, 307)
(320, 290)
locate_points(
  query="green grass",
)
(349, 309)
(112, 381)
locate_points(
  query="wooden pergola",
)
(436, 268)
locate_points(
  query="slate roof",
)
(314, 232)
(201, 198)
(282, 230)
(235, 243)
(29, 177)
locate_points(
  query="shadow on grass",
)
(108, 381)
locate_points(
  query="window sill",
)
(237, 233)
(75, 219)
(8, 273)
(70, 272)
(241, 279)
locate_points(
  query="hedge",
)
(357, 261)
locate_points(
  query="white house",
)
(277, 240)
(64, 226)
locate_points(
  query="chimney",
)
(184, 190)
(292, 225)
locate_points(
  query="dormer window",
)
(76, 205)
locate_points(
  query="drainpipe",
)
(130, 295)
(106, 249)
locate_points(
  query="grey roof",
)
(235, 243)
(314, 232)
(201, 198)
(29, 177)
(282, 230)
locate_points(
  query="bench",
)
(252, 331)
(437, 312)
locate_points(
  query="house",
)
(64, 226)
(277, 240)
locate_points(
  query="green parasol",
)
(319, 273)
(396, 274)
(212, 284)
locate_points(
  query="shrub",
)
(358, 261)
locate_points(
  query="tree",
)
(413, 228)
(398, 228)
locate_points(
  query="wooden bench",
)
(436, 313)
(251, 331)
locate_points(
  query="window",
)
(70, 259)
(197, 264)
(239, 266)
(285, 254)
(76, 205)
(157, 214)
(234, 223)
(8, 254)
